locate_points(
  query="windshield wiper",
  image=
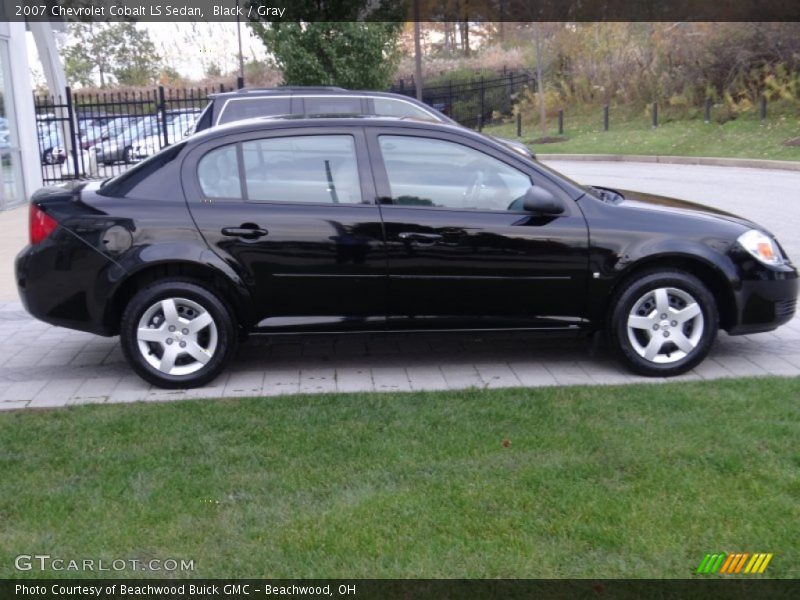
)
(607, 195)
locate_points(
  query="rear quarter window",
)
(151, 179)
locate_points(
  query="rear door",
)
(293, 211)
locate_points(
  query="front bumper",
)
(765, 299)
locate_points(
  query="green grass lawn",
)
(744, 137)
(629, 481)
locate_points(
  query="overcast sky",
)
(188, 47)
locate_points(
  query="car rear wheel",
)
(663, 323)
(177, 334)
(128, 156)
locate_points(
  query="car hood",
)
(655, 203)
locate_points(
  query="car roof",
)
(284, 89)
(303, 90)
(299, 121)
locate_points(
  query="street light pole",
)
(239, 37)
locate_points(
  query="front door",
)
(289, 212)
(461, 250)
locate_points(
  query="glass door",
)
(11, 193)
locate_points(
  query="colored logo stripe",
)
(734, 563)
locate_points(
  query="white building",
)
(19, 152)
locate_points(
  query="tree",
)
(213, 71)
(327, 42)
(539, 45)
(111, 51)
(352, 55)
(135, 59)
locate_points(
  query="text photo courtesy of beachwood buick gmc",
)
(376, 224)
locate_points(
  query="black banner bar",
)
(399, 10)
(404, 589)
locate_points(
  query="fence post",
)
(162, 110)
(605, 117)
(708, 110)
(762, 107)
(239, 82)
(450, 98)
(72, 137)
(655, 115)
(221, 88)
(480, 122)
(560, 121)
(519, 124)
(510, 83)
(483, 102)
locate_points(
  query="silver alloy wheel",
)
(177, 336)
(665, 325)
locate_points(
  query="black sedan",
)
(362, 224)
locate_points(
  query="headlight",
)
(762, 247)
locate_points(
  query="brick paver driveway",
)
(44, 366)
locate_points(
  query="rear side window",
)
(325, 105)
(309, 169)
(218, 172)
(237, 109)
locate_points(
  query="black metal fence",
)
(99, 135)
(473, 103)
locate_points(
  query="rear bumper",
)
(59, 287)
(765, 303)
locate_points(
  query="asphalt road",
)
(52, 367)
(770, 198)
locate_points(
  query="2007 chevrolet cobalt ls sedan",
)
(364, 224)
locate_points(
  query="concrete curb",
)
(750, 163)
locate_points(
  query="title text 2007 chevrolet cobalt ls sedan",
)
(365, 224)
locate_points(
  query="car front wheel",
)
(177, 334)
(663, 323)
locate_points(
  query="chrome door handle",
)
(248, 231)
(421, 239)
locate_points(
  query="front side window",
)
(442, 174)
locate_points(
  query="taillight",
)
(40, 225)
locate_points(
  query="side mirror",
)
(539, 200)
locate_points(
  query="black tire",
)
(190, 301)
(127, 155)
(47, 157)
(636, 324)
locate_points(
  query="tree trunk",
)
(537, 32)
(417, 52)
